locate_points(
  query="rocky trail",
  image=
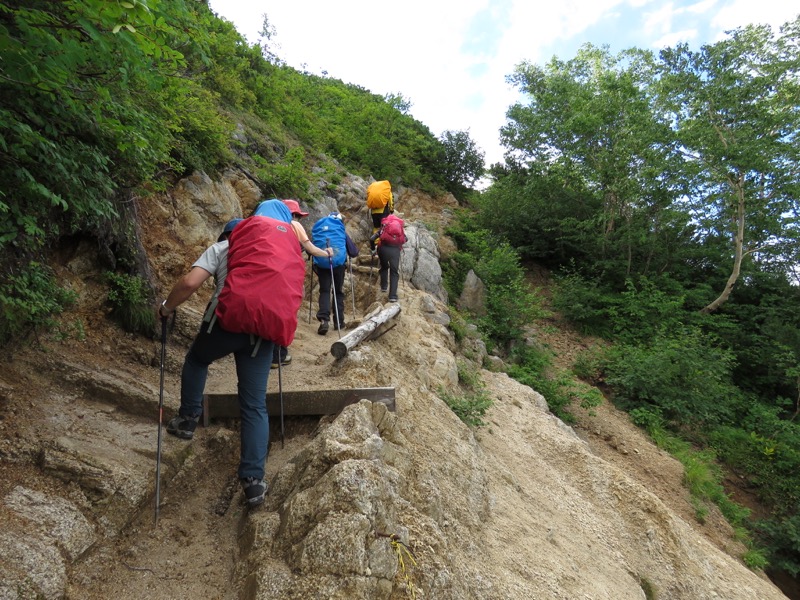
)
(525, 507)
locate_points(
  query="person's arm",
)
(309, 247)
(373, 239)
(306, 243)
(183, 289)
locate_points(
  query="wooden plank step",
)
(297, 403)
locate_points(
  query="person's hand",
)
(163, 311)
(329, 252)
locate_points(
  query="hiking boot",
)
(286, 361)
(339, 326)
(323, 328)
(254, 490)
(384, 290)
(393, 299)
(183, 427)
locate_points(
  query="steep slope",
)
(524, 508)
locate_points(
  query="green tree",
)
(463, 160)
(734, 107)
(589, 121)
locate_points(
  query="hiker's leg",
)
(338, 282)
(383, 255)
(324, 276)
(252, 373)
(206, 348)
(393, 256)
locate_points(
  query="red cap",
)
(294, 206)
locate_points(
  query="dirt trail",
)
(193, 550)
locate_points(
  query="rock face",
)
(367, 504)
(473, 296)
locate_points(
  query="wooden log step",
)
(297, 403)
(372, 327)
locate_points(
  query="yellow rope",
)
(402, 552)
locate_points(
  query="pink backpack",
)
(392, 233)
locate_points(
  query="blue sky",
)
(450, 58)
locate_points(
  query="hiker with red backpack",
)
(280, 355)
(259, 273)
(389, 240)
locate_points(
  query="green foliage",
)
(767, 449)
(510, 305)
(101, 99)
(661, 189)
(533, 367)
(71, 108)
(288, 178)
(463, 161)
(588, 364)
(583, 302)
(366, 133)
(131, 302)
(681, 374)
(781, 536)
(30, 298)
(471, 405)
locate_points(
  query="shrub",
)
(288, 178)
(682, 376)
(131, 302)
(531, 367)
(30, 299)
(471, 405)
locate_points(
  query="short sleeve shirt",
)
(300, 232)
(215, 261)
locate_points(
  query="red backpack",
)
(392, 232)
(264, 287)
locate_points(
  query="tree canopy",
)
(663, 189)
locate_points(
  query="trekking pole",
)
(280, 392)
(160, 417)
(352, 286)
(335, 307)
(310, 284)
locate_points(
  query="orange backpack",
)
(379, 193)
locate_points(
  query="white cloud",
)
(767, 12)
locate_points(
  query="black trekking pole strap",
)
(280, 392)
(352, 285)
(334, 304)
(160, 416)
(310, 285)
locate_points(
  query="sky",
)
(450, 58)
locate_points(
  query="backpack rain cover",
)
(264, 287)
(330, 229)
(378, 194)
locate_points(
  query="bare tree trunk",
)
(738, 243)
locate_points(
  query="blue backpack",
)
(330, 230)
